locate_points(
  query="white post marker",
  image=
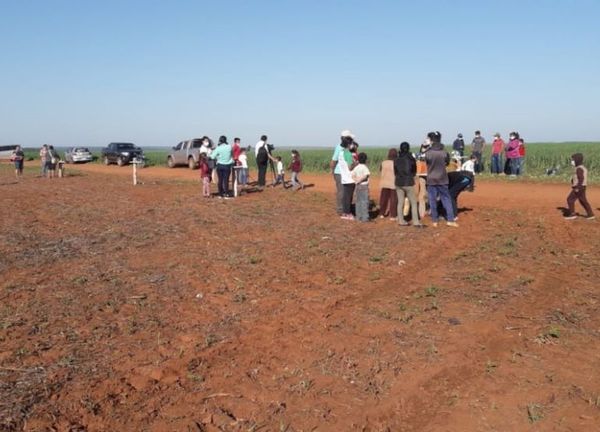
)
(135, 162)
(235, 180)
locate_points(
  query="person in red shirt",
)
(497, 150)
(236, 149)
(296, 167)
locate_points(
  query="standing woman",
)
(52, 162)
(18, 157)
(512, 154)
(44, 158)
(388, 199)
(223, 157)
(346, 165)
(405, 170)
(421, 179)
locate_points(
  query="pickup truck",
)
(121, 153)
(185, 153)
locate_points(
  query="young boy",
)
(578, 186)
(360, 174)
(280, 172)
(243, 171)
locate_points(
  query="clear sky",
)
(156, 72)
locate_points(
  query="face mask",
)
(572, 163)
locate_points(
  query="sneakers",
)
(452, 224)
(592, 217)
(571, 217)
(347, 217)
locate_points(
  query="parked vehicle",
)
(6, 151)
(121, 153)
(78, 154)
(185, 153)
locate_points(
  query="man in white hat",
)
(335, 169)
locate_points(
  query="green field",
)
(539, 157)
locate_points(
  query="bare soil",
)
(149, 308)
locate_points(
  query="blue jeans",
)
(497, 166)
(223, 171)
(362, 202)
(515, 166)
(435, 191)
(242, 176)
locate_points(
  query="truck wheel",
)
(192, 163)
(120, 161)
(106, 161)
(170, 162)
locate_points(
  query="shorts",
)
(19, 165)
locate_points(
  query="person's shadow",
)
(563, 210)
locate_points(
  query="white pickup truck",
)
(185, 153)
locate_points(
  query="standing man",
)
(497, 150)
(459, 145)
(477, 146)
(346, 136)
(263, 155)
(437, 179)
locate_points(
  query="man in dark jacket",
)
(405, 170)
(458, 181)
(459, 145)
(437, 179)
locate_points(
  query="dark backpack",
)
(262, 157)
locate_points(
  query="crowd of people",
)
(406, 179)
(415, 185)
(507, 158)
(227, 164)
(412, 185)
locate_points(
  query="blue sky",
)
(156, 72)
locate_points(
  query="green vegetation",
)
(539, 157)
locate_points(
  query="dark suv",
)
(121, 153)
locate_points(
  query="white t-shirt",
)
(359, 172)
(243, 159)
(280, 168)
(258, 145)
(468, 166)
(345, 175)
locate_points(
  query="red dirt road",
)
(150, 308)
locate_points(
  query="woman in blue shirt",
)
(224, 160)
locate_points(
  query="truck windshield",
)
(125, 146)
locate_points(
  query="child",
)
(296, 167)
(578, 186)
(205, 174)
(243, 171)
(280, 172)
(469, 165)
(360, 175)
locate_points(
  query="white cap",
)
(347, 133)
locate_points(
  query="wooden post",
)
(134, 163)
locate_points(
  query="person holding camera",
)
(262, 152)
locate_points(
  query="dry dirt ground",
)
(149, 308)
